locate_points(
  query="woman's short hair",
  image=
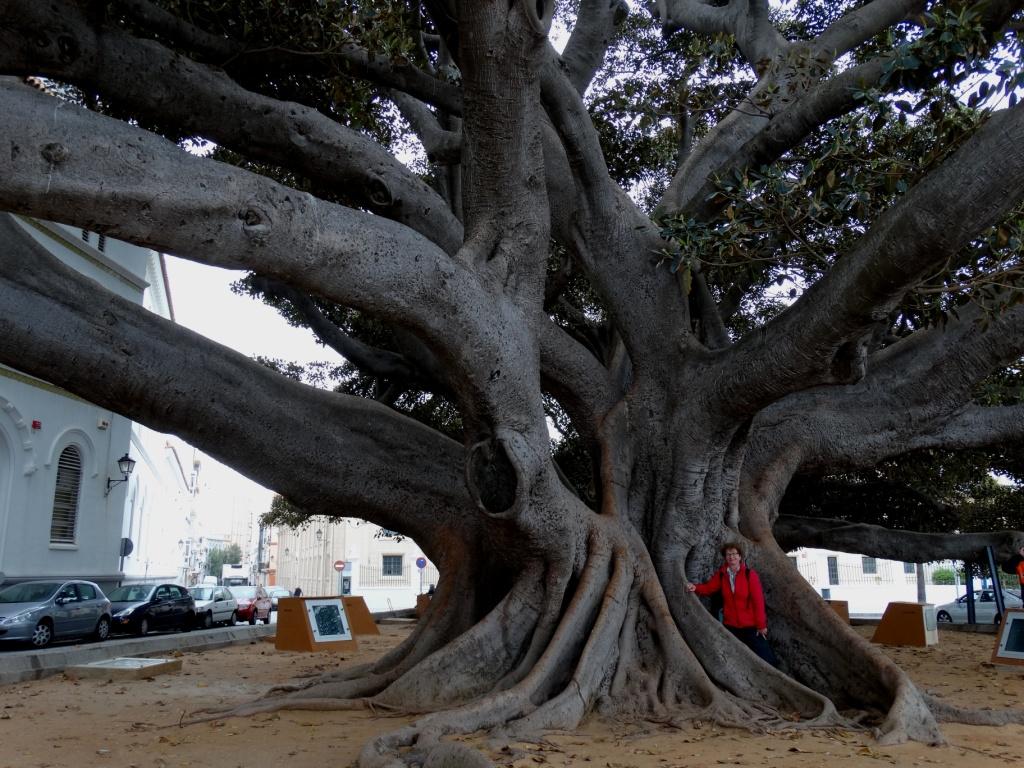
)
(732, 545)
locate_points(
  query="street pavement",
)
(32, 664)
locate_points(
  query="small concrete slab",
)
(123, 669)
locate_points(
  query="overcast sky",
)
(204, 303)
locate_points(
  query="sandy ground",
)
(62, 722)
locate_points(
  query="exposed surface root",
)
(412, 746)
(558, 577)
(276, 705)
(948, 713)
(909, 718)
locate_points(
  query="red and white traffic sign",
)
(339, 565)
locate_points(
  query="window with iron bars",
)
(65, 497)
(391, 565)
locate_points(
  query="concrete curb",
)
(945, 626)
(18, 666)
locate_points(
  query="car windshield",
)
(131, 593)
(202, 593)
(247, 592)
(29, 592)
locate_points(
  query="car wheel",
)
(190, 622)
(234, 619)
(943, 616)
(997, 620)
(102, 631)
(267, 620)
(252, 617)
(207, 620)
(143, 627)
(42, 635)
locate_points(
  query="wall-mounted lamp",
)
(125, 464)
(319, 535)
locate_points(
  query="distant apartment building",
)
(352, 557)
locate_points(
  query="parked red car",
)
(253, 603)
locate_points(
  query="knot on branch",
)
(68, 49)
(849, 365)
(255, 223)
(538, 13)
(55, 153)
(491, 476)
(378, 191)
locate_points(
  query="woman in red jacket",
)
(742, 601)
(1020, 569)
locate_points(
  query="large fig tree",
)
(715, 243)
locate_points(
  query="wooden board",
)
(359, 617)
(842, 608)
(422, 602)
(1014, 617)
(907, 624)
(295, 631)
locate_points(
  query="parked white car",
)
(214, 605)
(984, 607)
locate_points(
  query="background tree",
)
(216, 558)
(717, 245)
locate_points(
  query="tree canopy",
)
(757, 264)
(218, 556)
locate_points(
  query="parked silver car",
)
(984, 607)
(36, 612)
(214, 605)
(276, 592)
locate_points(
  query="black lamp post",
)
(125, 465)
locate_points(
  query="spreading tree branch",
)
(373, 361)
(793, 532)
(370, 461)
(590, 38)
(165, 87)
(646, 302)
(791, 100)
(349, 58)
(442, 146)
(971, 190)
(861, 24)
(61, 156)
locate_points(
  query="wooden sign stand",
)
(842, 609)
(359, 617)
(1009, 647)
(907, 624)
(313, 624)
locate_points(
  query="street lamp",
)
(125, 465)
(323, 560)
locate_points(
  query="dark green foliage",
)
(926, 491)
(217, 558)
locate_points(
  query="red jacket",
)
(744, 607)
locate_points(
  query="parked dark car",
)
(253, 604)
(141, 608)
(36, 612)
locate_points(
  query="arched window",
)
(65, 496)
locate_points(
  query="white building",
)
(868, 584)
(65, 508)
(377, 565)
